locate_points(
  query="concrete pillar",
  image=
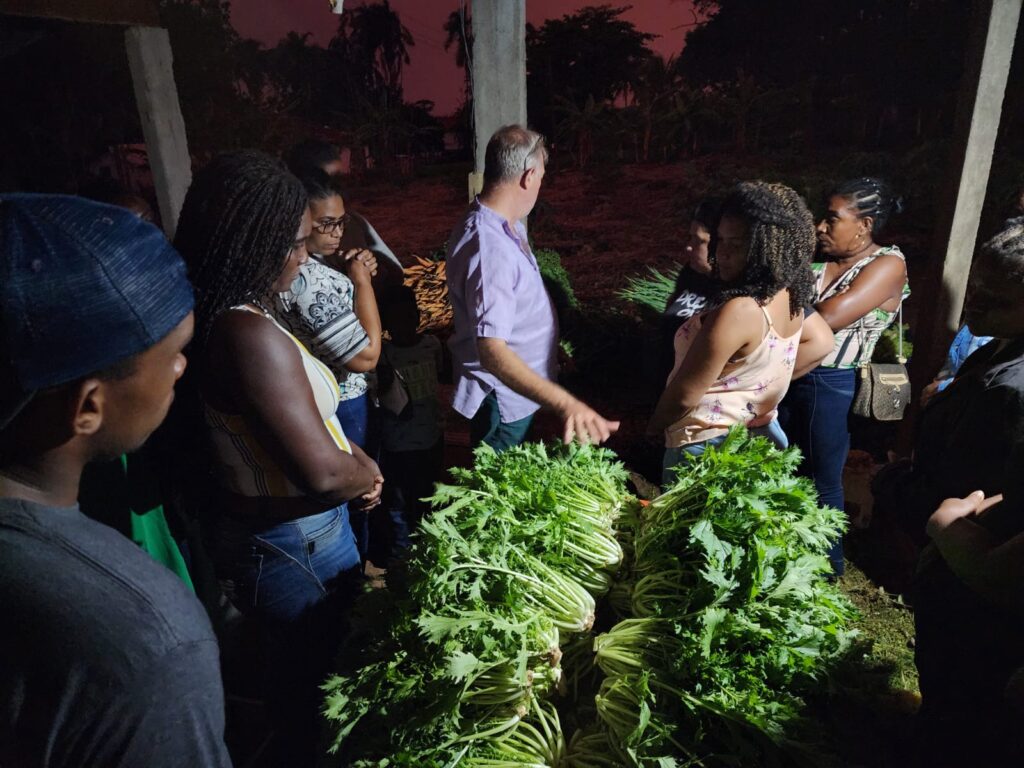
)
(499, 72)
(149, 58)
(940, 296)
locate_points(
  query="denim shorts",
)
(279, 572)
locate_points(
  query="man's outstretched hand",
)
(585, 424)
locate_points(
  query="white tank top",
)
(243, 465)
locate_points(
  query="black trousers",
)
(409, 477)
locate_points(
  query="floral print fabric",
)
(748, 391)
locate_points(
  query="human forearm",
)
(717, 340)
(580, 421)
(499, 359)
(974, 555)
(970, 552)
(365, 308)
(337, 480)
(673, 404)
(372, 497)
(839, 311)
(816, 342)
(878, 283)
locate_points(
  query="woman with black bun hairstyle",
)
(859, 288)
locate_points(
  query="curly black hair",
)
(237, 224)
(781, 244)
(1006, 248)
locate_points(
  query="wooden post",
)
(499, 72)
(150, 61)
(941, 294)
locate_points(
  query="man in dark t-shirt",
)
(107, 658)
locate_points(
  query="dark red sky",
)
(432, 74)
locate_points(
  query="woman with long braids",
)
(858, 291)
(734, 363)
(278, 529)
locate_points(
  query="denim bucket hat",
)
(83, 286)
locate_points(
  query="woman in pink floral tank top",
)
(734, 363)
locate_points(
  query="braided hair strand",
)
(236, 228)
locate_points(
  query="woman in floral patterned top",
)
(734, 363)
(859, 289)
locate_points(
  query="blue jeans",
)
(814, 415)
(281, 571)
(295, 581)
(674, 456)
(487, 427)
(354, 417)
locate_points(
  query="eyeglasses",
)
(330, 226)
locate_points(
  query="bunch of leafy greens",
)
(652, 291)
(456, 662)
(731, 618)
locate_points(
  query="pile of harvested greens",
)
(484, 651)
(727, 618)
(466, 661)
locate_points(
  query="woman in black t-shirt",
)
(694, 283)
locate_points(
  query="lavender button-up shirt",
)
(497, 292)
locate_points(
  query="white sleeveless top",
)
(243, 466)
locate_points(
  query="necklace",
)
(258, 303)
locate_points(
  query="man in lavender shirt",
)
(505, 345)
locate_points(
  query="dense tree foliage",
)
(75, 92)
(66, 94)
(590, 55)
(872, 72)
(875, 79)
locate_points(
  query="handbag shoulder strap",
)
(899, 348)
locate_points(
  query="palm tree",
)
(582, 127)
(655, 85)
(375, 34)
(459, 32)
(294, 77)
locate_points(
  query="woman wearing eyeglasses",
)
(310, 157)
(332, 310)
(331, 306)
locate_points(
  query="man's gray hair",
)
(512, 151)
